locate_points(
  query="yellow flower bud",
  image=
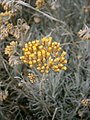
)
(60, 66)
(22, 57)
(56, 60)
(37, 41)
(42, 67)
(59, 49)
(58, 44)
(28, 52)
(31, 66)
(50, 41)
(39, 52)
(43, 52)
(33, 42)
(34, 61)
(50, 38)
(55, 48)
(29, 43)
(50, 62)
(56, 70)
(49, 49)
(25, 53)
(54, 44)
(26, 45)
(23, 49)
(47, 54)
(44, 60)
(39, 65)
(30, 46)
(45, 64)
(34, 48)
(35, 53)
(32, 55)
(26, 49)
(64, 68)
(36, 44)
(46, 71)
(42, 71)
(30, 62)
(43, 41)
(38, 68)
(43, 56)
(38, 60)
(39, 55)
(25, 61)
(55, 67)
(40, 47)
(62, 59)
(65, 62)
(63, 53)
(47, 67)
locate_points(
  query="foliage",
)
(63, 95)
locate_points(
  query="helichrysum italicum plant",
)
(8, 12)
(44, 55)
(5, 30)
(32, 77)
(5, 25)
(57, 96)
(10, 49)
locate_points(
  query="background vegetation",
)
(61, 96)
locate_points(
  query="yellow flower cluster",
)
(44, 55)
(31, 76)
(40, 3)
(10, 49)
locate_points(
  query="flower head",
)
(10, 49)
(40, 3)
(31, 76)
(44, 55)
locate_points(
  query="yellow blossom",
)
(44, 58)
